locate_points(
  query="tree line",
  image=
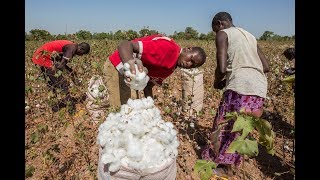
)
(187, 34)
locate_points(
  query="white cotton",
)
(115, 166)
(139, 80)
(107, 158)
(126, 66)
(137, 137)
(119, 153)
(169, 124)
(134, 149)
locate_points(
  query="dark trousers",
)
(57, 81)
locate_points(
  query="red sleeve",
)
(115, 58)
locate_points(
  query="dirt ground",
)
(63, 146)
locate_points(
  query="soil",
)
(63, 146)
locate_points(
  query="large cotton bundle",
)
(192, 89)
(137, 144)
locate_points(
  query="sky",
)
(164, 16)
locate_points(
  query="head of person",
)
(289, 53)
(222, 20)
(191, 57)
(83, 48)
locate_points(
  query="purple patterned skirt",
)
(231, 101)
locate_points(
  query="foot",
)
(224, 171)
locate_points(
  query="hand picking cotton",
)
(139, 80)
(137, 137)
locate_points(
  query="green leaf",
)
(204, 169)
(212, 112)
(247, 147)
(230, 115)
(289, 79)
(35, 137)
(167, 110)
(266, 135)
(28, 89)
(244, 123)
(29, 171)
(58, 73)
(101, 88)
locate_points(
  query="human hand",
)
(220, 84)
(131, 65)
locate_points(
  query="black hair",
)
(201, 53)
(289, 53)
(221, 16)
(85, 47)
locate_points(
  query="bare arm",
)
(68, 51)
(263, 59)
(221, 56)
(126, 50)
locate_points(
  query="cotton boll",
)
(102, 140)
(115, 166)
(175, 143)
(134, 149)
(140, 75)
(174, 153)
(153, 147)
(170, 125)
(107, 158)
(122, 127)
(173, 132)
(126, 66)
(134, 165)
(139, 80)
(126, 109)
(124, 161)
(110, 142)
(119, 153)
(167, 152)
(128, 73)
(130, 103)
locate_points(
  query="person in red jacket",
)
(159, 54)
(53, 56)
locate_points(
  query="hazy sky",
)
(165, 16)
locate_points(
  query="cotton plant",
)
(137, 137)
(139, 80)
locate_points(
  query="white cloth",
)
(244, 68)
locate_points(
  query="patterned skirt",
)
(231, 101)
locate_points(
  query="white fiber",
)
(139, 80)
(137, 137)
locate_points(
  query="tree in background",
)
(38, 34)
(146, 32)
(84, 35)
(188, 33)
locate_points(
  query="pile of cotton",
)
(139, 80)
(137, 137)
